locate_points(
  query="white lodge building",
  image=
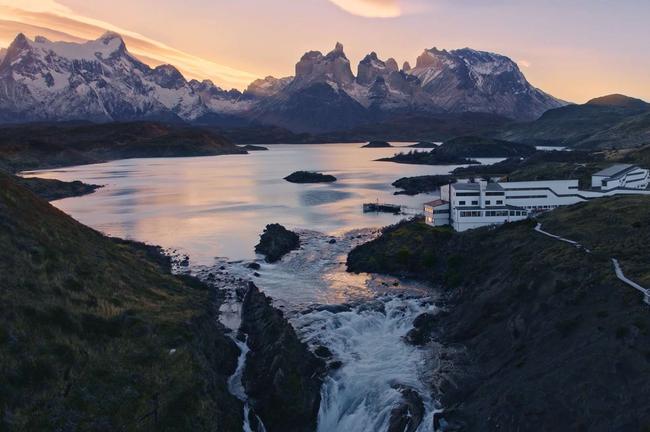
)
(472, 205)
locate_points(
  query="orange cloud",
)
(371, 8)
(48, 18)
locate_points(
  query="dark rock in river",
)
(423, 326)
(282, 377)
(309, 177)
(323, 352)
(377, 144)
(276, 241)
(407, 416)
(254, 266)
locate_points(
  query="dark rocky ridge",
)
(460, 150)
(282, 377)
(251, 147)
(424, 144)
(549, 339)
(51, 189)
(309, 177)
(54, 145)
(428, 158)
(276, 241)
(377, 144)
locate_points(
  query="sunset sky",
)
(573, 49)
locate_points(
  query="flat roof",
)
(436, 203)
(615, 170)
(476, 187)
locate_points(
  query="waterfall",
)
(368, 340)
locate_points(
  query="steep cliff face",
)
(282, 377)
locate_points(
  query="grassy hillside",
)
(613, 121)
(536, 334)
(41, 146)
(96, 334)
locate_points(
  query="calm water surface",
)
(217, 206)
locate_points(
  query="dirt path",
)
(617, 267)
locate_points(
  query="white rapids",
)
(236, 387)
(368, 341)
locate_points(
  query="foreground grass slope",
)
(96, 334)
(536, 334)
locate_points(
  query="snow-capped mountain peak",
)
(99, 80)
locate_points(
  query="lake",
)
(217, 206)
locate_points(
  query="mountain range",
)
(101, 81)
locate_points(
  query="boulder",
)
(408, 415)
(423, 327)
(276, 241)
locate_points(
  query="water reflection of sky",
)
(217, 206)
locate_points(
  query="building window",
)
(499, 202)
(487, 202)
(461, 202)
(474, 202)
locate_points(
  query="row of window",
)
(475, 203)
(545, 207)
(527, 197)
(493, 213)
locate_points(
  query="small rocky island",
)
(276, 241)
(309, 177)
(377, 144)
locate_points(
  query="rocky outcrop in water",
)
(282, 377)
(407, 416)
(423, 327)
(309, 177)
(276, 241)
